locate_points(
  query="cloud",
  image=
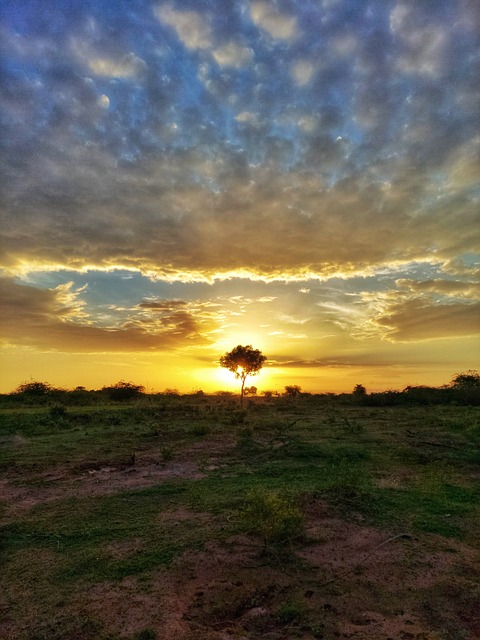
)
(187, 216)
(163, 305)
(302, 72)
(190, 26)
(331, 362)
(344, 45)
(129, 66)
(249, 118)
(416, 319)
(233, 54)
(446, 287)
(121, 66)
(300, 165)
(462, 166)
(424, 45)
(54, 319)
(276, 24)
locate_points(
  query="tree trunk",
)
(243, 386)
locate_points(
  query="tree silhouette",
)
(122, 391)
(359, 391)
(34, 388)
(292, 390)
(243, 362)
(467, 380)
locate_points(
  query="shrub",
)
(289, 612)
(34, 389)
(57, 411)
(122, 391)
(201, 429)
(238, 416)
(348, 481)
(273, 516)
(146, 634)
(293, 390)
(167, 454)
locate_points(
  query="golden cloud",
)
(47, 319)
(416, 319)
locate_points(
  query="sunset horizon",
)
(184, 177)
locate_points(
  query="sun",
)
(226, 377)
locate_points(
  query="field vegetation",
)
(194, 517)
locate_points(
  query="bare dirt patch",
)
(343, 584)
(49, 487)
(18, 495)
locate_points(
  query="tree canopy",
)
(467, 380)
(122, 391)
(243, 362)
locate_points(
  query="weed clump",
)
(57, 411)
(146, 634)
(238, 417)
(167, 454)
(348, 481)
(201, 429)
(290, 612)
(275, 517)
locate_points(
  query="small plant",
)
(273, 516)
(238, 416)
(289, 612)
(57, 411)
(347, 480)
(201, 429)
(245, 435)
(167, 454)
(146, 634)
(246, 443)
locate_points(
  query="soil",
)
(344, 580)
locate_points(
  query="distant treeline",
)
(464, 389)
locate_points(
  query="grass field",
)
(195, 518)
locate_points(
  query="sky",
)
(182, 177)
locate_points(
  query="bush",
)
(201, 429)
(34, 389)
(289, 612)
(273, 516)
(122, 391)
(57, 411)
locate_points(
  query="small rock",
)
(256, 612)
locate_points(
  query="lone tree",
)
(243, 362)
